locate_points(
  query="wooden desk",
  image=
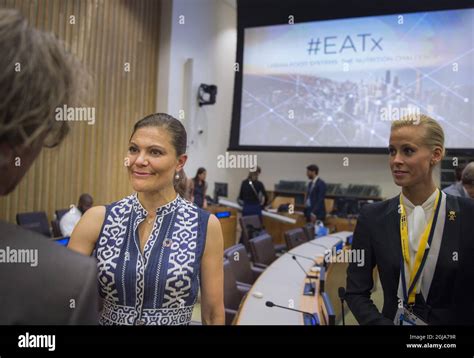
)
(228, 225)
(340, 224)
(277, 229)
(283, 284)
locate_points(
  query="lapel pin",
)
(452, 215)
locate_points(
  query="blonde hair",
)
(434, 134)
(37, 76)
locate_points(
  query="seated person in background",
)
(315, 195)
(198, 188)
(72, 217)
(421, 241)
(465, 186)
(60, 287)
(253, 195)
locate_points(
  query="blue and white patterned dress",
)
(161, 286)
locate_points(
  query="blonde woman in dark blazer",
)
(421, 241)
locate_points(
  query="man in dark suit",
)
(315, 195)
(42, 282)
(465, 186)
(451, 295)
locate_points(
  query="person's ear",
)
(436, 156)
(181, 161)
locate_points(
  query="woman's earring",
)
(176, 176)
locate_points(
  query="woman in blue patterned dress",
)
(155, 249)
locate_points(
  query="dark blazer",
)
(247, 194)
(456, 189)
(316, 200)
(42, 294)
(451, 297)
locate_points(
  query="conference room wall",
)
(105, 36)
(209, 37)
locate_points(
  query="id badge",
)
(404, 317)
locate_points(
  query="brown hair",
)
(199, 172)
(37, 76)
(178, 139)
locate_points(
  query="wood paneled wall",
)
(106, 35)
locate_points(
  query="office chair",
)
(35, 221)
(232, 294)
(245, 273)
(251, 227)
(60, 213)
(295, 237)
(309, 231)
(263, 251)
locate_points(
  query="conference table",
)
(283, 282)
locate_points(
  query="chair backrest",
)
(263, 251)
(309, 231)
(60, 213)
(295, 237)
(327, 310)
(35, 221)
(240, 263)
(329, 205)
(56, 228)
(250, 225)
(232, 296)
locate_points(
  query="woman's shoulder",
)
(95, 216)
(203, 213)
(128, 200)
(100, 212)
(466, 205)
(380, 207)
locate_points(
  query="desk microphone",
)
(314, 316)
(302, 256)
(342, 294)
(309, 287)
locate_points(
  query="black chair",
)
(35, 221)
(263, 251)
(56, 228)
(245, 273)
(295, 237)
(55, 223)
(309, 231)
(327, 310)
(60, 213)
(233, 293)
(252, 226)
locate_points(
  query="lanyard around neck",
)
(421, 254)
